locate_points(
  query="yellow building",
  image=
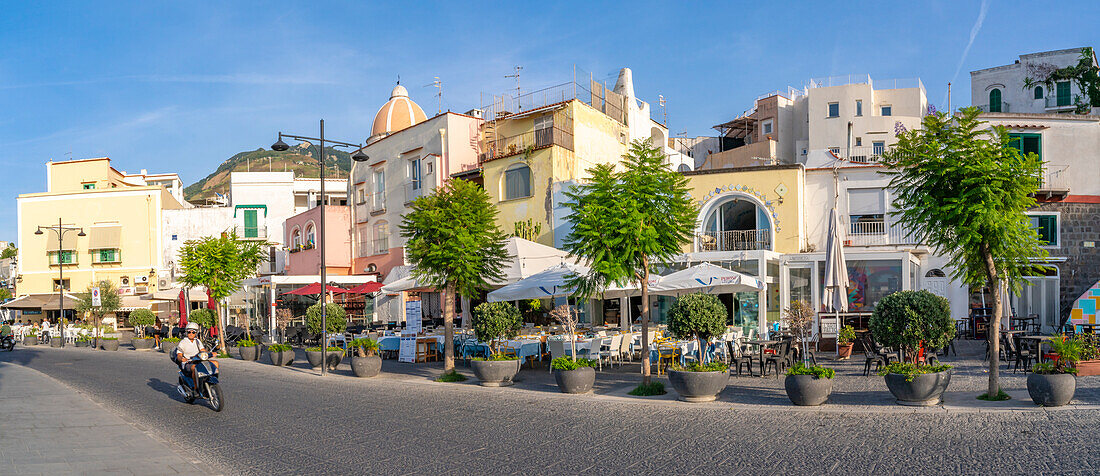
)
(530, 159)
(120, 218)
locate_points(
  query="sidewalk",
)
(48, 428)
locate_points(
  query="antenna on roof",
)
(516, 75)
(399, 79)
(661, 101)
(438, 85)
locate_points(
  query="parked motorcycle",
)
(7, 343)
(207, 386)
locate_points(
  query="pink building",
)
(302, 233)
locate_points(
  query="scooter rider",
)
(189, 347)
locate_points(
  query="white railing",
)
(1004, 107)
(1054, 100)
(251, 232)
(413, 190)
(877, 233)
(737, 240)
(868, 227)
(1055, 177)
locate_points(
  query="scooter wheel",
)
(217, 399)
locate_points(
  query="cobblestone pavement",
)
(290, 420)
(48, 428)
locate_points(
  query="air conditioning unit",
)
(141, 279)
(125, 280)
(162, 283)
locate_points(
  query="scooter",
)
(7, 343)
(207, 386)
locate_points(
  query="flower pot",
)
(108, 344)
(55, 342)
(806, 390)
(578, 380)
(168, 347)
(923, 390)
(844, 351)
(1051, 390)
(30, 340)
(251, 354)
(314, 357)
(81, 343)
(142, 344)
(1086, 368)
(281, 358)
(495, 373)
(698, 386)
(368, 366)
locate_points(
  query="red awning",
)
(366, 288)
(315, 288)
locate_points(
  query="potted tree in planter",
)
(700, 317)
(140, 318)
(108, 343)
(845, 339)
(1053, 383)
(168, 345)
(1090, 356)
(806, 385)
(493, 322)
(281, 354)
(336, 319)
(573, 375)
(911, 321)
(31, 337)
(249, 350)
(83, 341)
(365, 361)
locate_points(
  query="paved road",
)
(280, 420)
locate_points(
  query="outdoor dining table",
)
(1038, 344)
(525, 348)
(1089, 328)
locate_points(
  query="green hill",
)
(300, 159)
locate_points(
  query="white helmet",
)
(192, 325)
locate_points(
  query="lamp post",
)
(61, 230)
(359, 156)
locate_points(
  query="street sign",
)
(96, 299)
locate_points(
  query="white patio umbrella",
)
(707, 278)
(548, 283)
(835, 297)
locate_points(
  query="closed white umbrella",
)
(835, 297)
(707, 278)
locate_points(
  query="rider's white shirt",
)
(190, 347)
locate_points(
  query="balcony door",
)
(736, 224)
(251, 224)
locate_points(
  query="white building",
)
(1021, 87)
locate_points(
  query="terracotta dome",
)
(398, 113)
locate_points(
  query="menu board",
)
(407, 350)
(413, 317)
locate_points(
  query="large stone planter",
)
(314, 358)
(1051, 390)
(368, 366)
(168, 347)
(698, 386)
(30, 340)
(806, 390)
(142, 344)
(495, 373)
(923, 390)
(281, 358)
(251, 354)
(82, 343)
(578, 380)
(108, 344)
(55, 342)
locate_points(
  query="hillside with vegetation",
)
(300, 159)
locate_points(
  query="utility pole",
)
(437, 84)
(949, 98)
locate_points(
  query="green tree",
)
(5, 294)
(908, 320)
(494, 321)
(962, 189)
(203, 317)
(625, 221)
(10, 252)
(220, 264)
(697, 316)
(335, 318)
(140, 318)
(109, 302)
(454, 244)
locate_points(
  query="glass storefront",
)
(869, 281)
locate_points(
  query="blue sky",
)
(180, 86)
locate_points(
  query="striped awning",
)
(51, 240)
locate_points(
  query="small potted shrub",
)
(168, 345)
(1053, 383)
(493, 322)
(31, 337)
(806, 385)
(908, 321)
(249, 350)
(334, 356)
(280, 354)
(845, 339)
(83, 340)
(365, 361)
(701, 317)
(108, 343)
(140, 318)
(573, 375)
(1089, 364)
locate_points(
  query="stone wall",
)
(1079, 225)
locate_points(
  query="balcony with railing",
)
(877, 232)
(1060, 102)
(413, 190)
(530, 140)
(1054, 181)
(251, 232)
(381, 246)
(858, 155)
(1004, 107)
(735, 240)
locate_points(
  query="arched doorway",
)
(735, 222)
(935, 282)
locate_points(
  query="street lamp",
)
(61, 230)
(359, 156)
